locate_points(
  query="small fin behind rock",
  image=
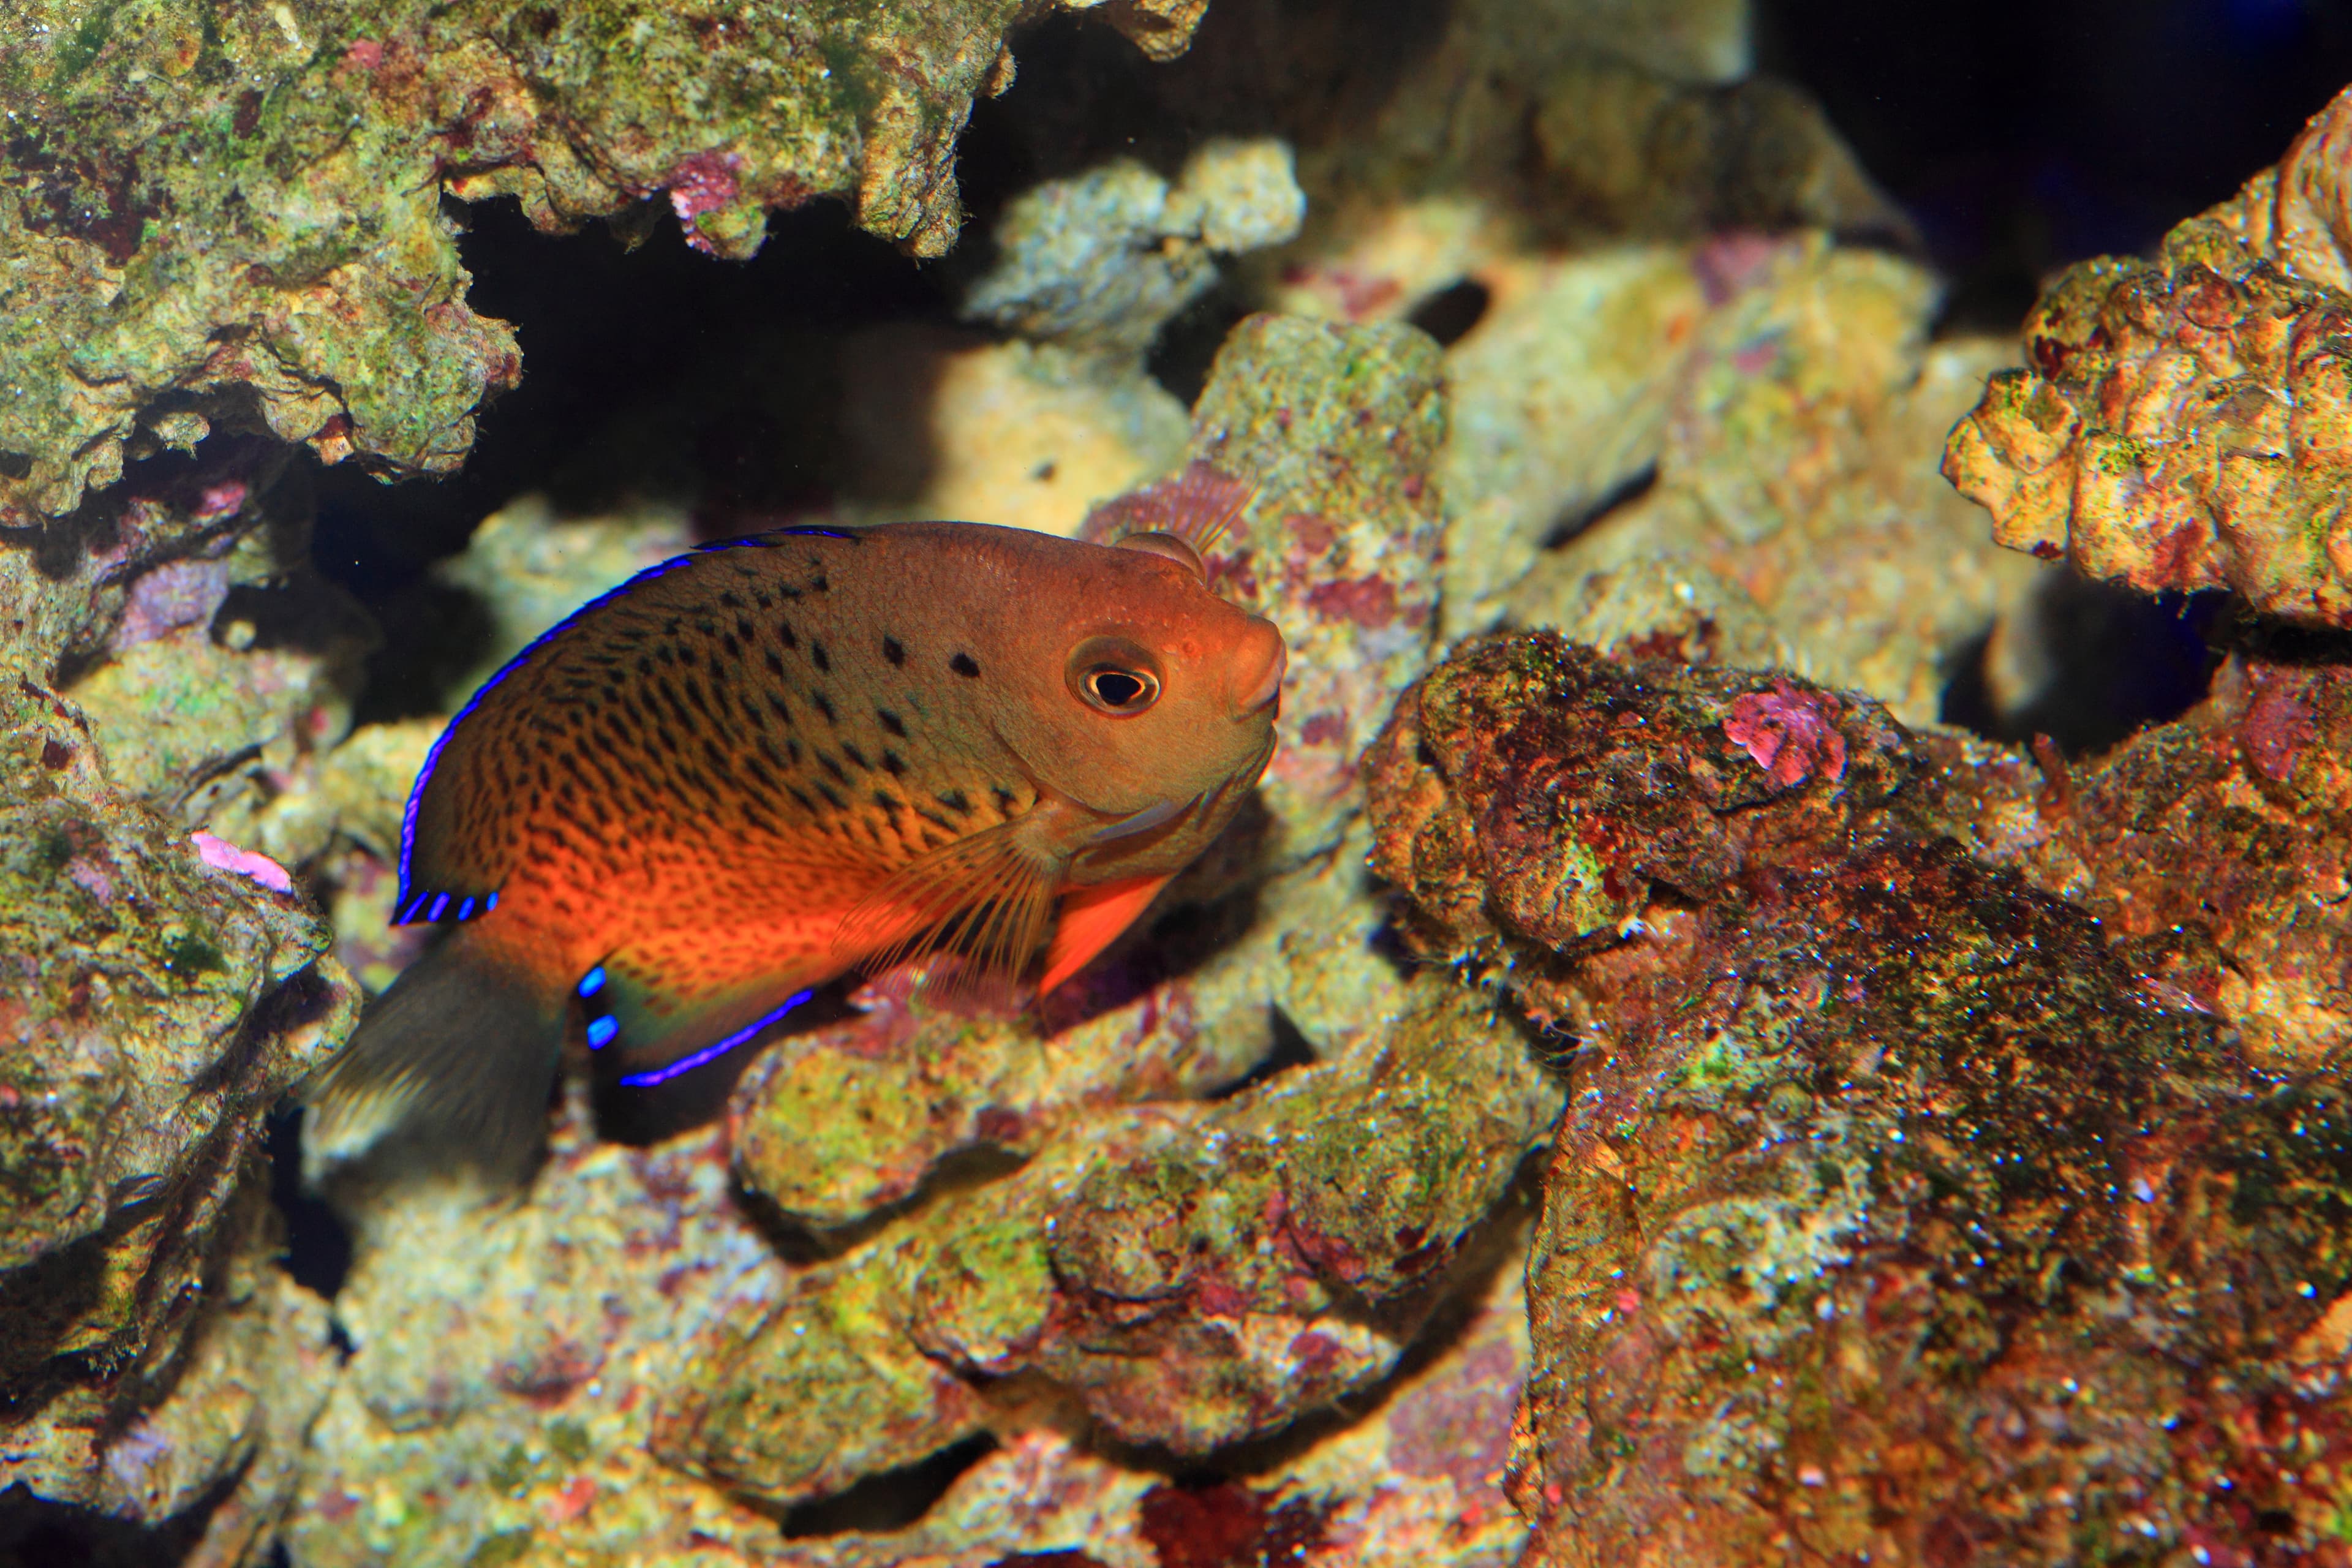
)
(461, 1050)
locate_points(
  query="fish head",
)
(1143, 690)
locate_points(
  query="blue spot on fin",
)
(662, 1037)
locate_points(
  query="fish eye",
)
(1113, 676)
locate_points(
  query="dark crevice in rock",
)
(1578, 518)
(892, 1501)
(2117, 661)
(1289, 1048)
(1187, 346)
(317, 1248)
(1449, 314)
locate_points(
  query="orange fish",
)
(753, 768)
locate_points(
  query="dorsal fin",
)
(1199, 506)
(449, 869)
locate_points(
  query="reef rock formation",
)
(1898, 1212)
(2187, 422)
(1745, 474)
(216, 213)
(157, 995)
(1238, 1170)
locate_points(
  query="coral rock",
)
(1896, 1215)
(2187, 422)
(152, 1011)
(209, 210)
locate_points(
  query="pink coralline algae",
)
(1792, 733)
(703, 183)
(222, 856)
(1203, 502)
(2277, 727)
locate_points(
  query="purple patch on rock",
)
(180, 593)
(1790, 733)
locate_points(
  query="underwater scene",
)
(1175, 784)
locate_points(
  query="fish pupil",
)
(1121, 690)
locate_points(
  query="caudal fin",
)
(460, 1051)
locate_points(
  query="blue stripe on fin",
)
(713, 1052)
(592, 982)
(600, 1032)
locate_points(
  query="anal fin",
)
(657, 1030)
(1091, 918)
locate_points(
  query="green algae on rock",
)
(1897, 1212)
(1336, 431)
(152, 1011)
(214, 208)
(1191, 1276)
(2186, 422)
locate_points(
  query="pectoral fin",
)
(983, 897)
(1091, 918)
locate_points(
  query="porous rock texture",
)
(1901, 1213)
(2186, 422)
(232, 212)
(155, 1366)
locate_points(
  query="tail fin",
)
(461, 1051)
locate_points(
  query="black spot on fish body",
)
(727, 597)
(963, 664)
(825, 760)
(782, 712)
(856, 757)
(894, 650)
(806, 803)
(819, 584)
(818, 657)
(888, 802)
(744, 629)
(933, 816)
(954, 801)
(891, 723)
(824, 705)
(776, 664)
(792, 749)
(831, 795)
(644, 666)
(786, 634)
(1005, 799)
(894, 764)
(768, 750)
(734, 650)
